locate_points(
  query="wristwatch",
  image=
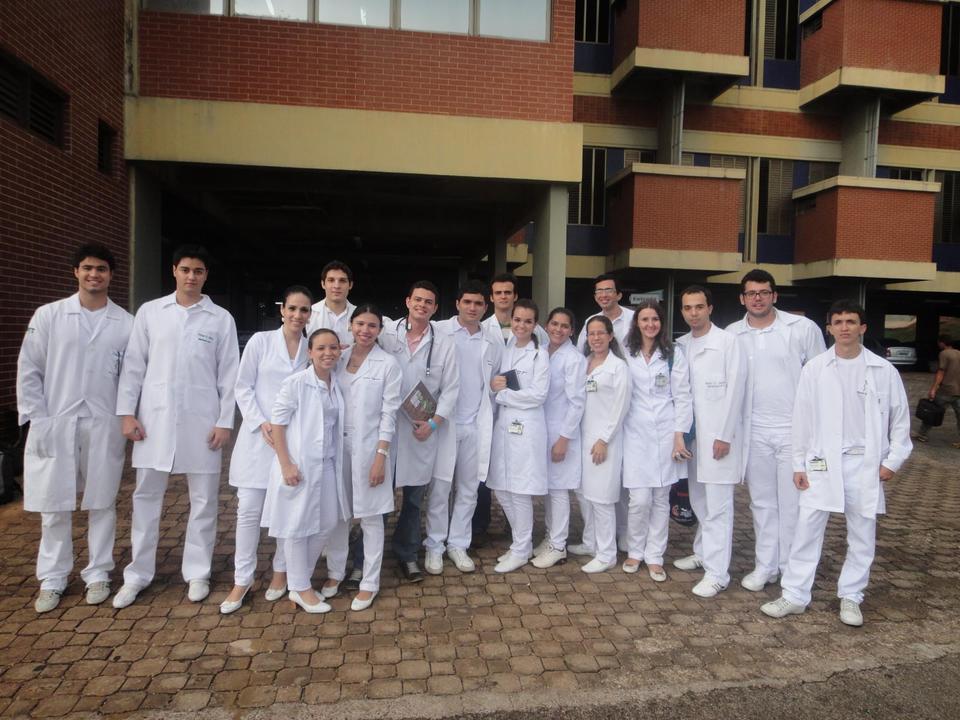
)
(381, 451)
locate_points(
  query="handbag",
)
(681, 511)
(930, 413)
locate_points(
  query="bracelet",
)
(432, 424)
(381, 451)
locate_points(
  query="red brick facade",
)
(52, 199)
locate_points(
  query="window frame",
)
(33, 85)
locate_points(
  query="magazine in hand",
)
(513, 382)
(420, 405)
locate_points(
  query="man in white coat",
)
(776, 345)
(334, 310)
(479, 351)
(67, 376)
(851, 434)
(420, 451)
(717, 380)
(176, 399)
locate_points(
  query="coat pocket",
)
(41, 439)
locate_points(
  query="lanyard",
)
(430, 350)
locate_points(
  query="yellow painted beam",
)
(857, 267)
(866, 182)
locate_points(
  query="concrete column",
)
(550, 249)
(146, 240)
(859, 139)
(670, 125)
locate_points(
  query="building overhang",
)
(864, 268)
(707, 74)
(943, 282)
(898, 90)
(677, 171)
(864, 182)
(706, 260)
(819, 5)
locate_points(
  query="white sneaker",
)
(549, 558)
(320, 607)
(542, 547)
(630, 568)
(688, 563)
(850, 613)
(433, 562)
(47, 600)
(511, 563)
(327, 592)
(597, 566)
(781, 607)
(757, 580)
(581, 549)
(97, 592)
(125, 596)
(461, 560)
(708, 587)
(198, 590)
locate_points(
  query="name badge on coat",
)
(591, 385)
(515, 428)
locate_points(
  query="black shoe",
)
(411, 571)
(352, 583)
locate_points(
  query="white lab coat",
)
(621, 328)
(264, 366)
(292, 511)
(717, 381)
(417, 462)
(658, 409)
(518, 462)
(492, 325)
(564, 411)
(603, 415)
(63, 371)
(322, 317)
(493, 347)
(818, 432)
(181, 368)
(374, 397)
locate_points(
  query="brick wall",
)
(291, 63)
(715, 118)
(52, 199)
(822, 52)
(614, 110)
(896, 132)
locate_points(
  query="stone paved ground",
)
(461, 644)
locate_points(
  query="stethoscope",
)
(430, 350)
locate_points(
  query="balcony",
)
(702, 41)
(853, 49)
(671, 216)
(866, 228)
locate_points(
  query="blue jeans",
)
(406, 535)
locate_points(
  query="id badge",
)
(817, 464)
(660, 380)
(515, 428)
(591, 385)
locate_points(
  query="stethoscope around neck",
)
(430, 350)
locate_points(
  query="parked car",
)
(899, 353)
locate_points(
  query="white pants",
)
(302, 554)
(373, 538)
(648, 524)
(604, 540)
(455, 529)
(519, 511)
(774, 500)
(55, 556)
(797, 581)
(145, 532)
(713, 542)
(588, 538)
(249, 511)
(623, 511)
(556, 514)
(336, 547)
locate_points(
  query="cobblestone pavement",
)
(462, 644)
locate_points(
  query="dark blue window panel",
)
(701, 160)
(740, 243)
(883, 171)
(783, 74)
(774, 248)
(947, 256)
(587, 240)
(593, 57)
(806, 5)
(614, 161)
(801, 173)
(952, 91)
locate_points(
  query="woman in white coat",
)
(268, 359)
(369, 380)
(518, 456)
(564, 411)
(608, 398)
(307, 501)
(654, 454)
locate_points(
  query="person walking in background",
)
(945, 390)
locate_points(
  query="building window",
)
(368, 13)
(446, 16)
(31, 101)
(106, 144)
(276, 9)
(812, 25)
(198, 7)
(900, 173)
(780, 30)
(775, 205)
(528, 20)
(950, 41)
(822, 170)
(587, 200)
(946, 227)
(592, 23)
(631, 156)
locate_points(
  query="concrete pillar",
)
(860, 129)
(670, 125)
(550, 250)
(146, 240)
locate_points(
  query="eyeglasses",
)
(605, 291)
(751, 294)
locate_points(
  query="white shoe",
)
(97, 592)
(125, 596)
(229, 606)
(757, 580)
(657, 575)
(328, 592)
(501, 558)
(461, 560)
(273, 594)
(781, 607)
(357, 605)
(47, 600)
(850, 613)
(549, 558)
(320, 607)
(433, 562)
(629, 568)
(510, 563)
(198, 590)
(688, 563)
(708, 587)
(596, 566)
(581, 549)
(542, 547)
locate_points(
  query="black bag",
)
(930, 413)
(680, 510)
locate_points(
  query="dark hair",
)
(694, 289)
(94, 250)
(505, 277)
(608, 326)
(293, 290)
(845, 305)
(367, 308)
(661, 342)
(474, 287)
(320, 332)
(564, 311)
(336, 265)
(758, 275)
(425, 285)
(197, 252)
(604, 277)
(946, 340)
